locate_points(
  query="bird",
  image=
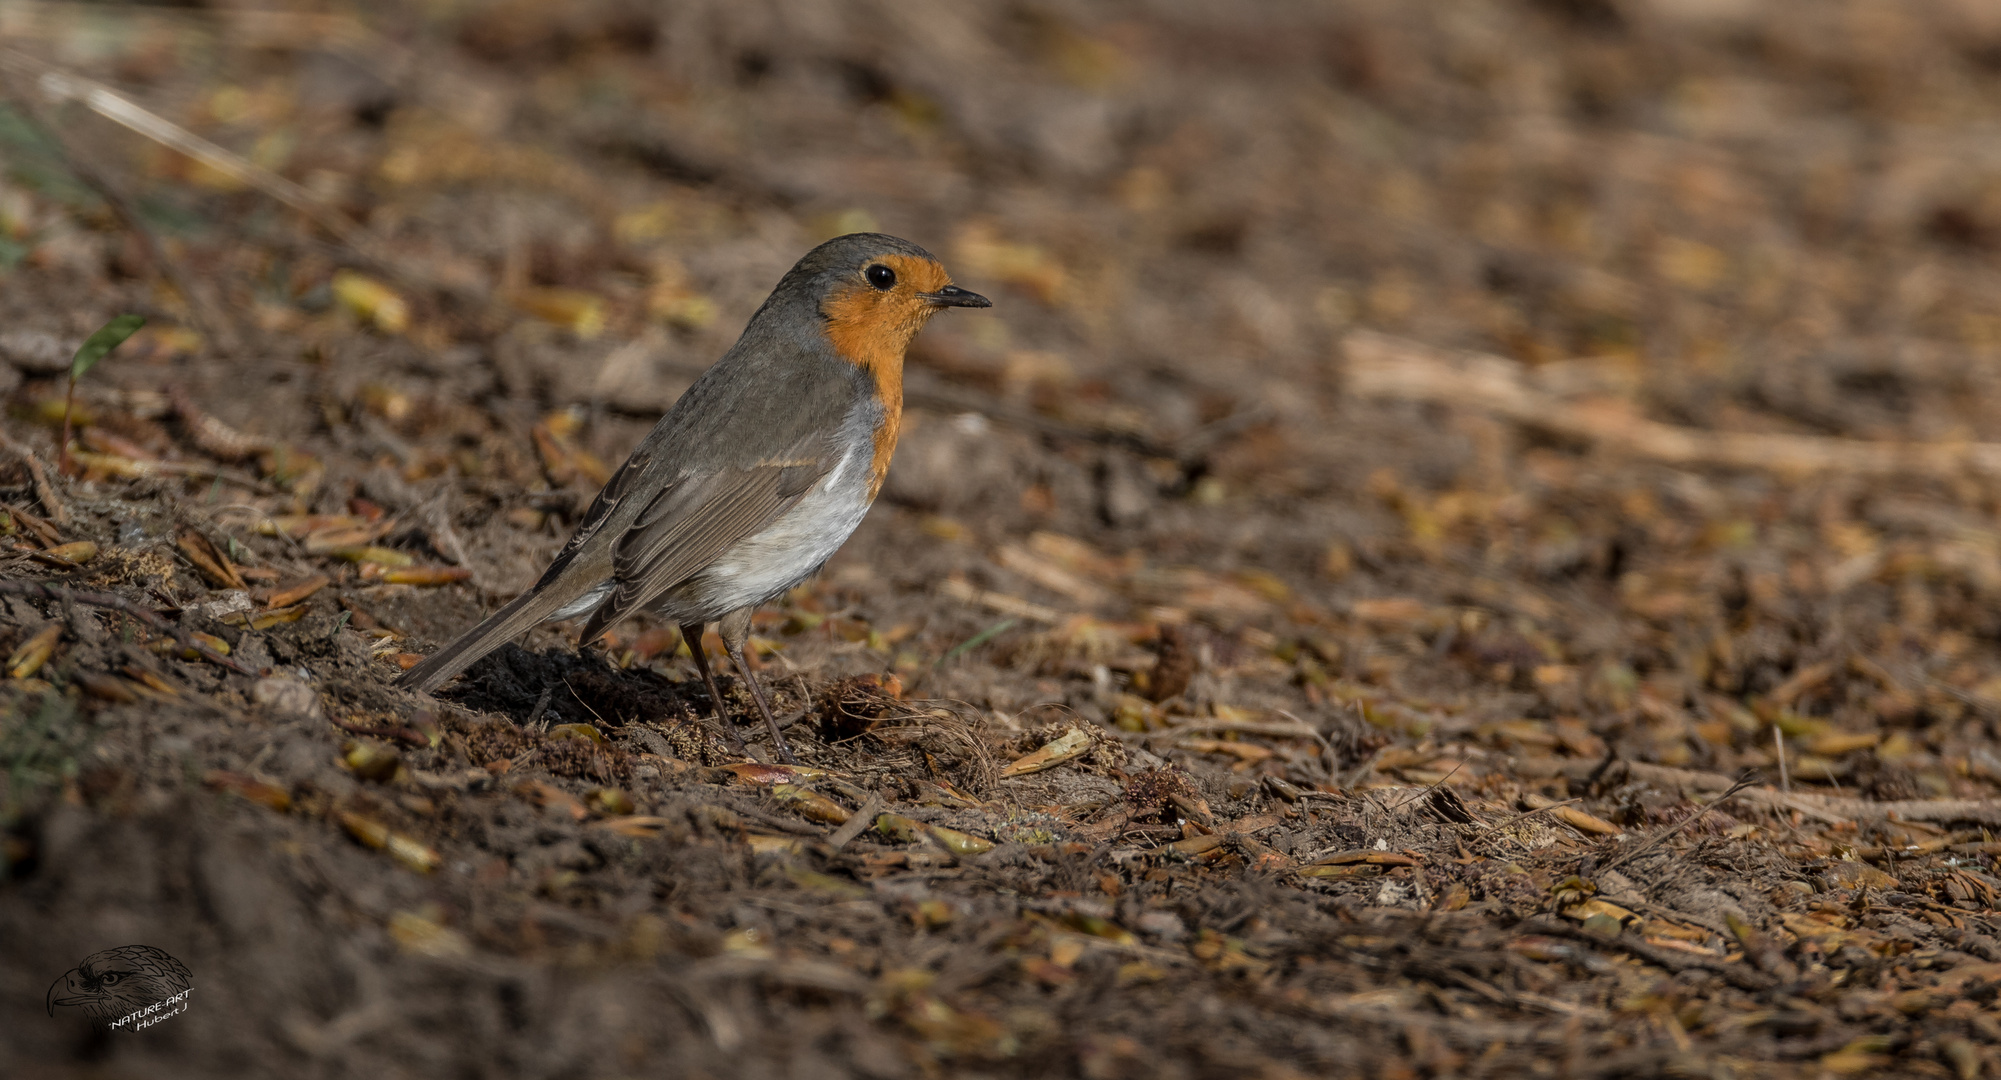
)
(117, 982)
(758, 473)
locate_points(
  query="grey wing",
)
(738, 449)
(694, 521)
(608, 500)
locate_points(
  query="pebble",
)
(286, 699)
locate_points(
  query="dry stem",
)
(1382, 366)
(41, 590)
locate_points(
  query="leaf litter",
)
(1500, 585)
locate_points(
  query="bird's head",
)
(874, 292)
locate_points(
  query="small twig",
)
(1779, 746)
(44, 532)
(1428, 790)
(1980, 703)
(1669, 834)
(1326, 746)
(1510, 820)
(64, 464)
(1382, 366)
(59, 84)
(773, 821)
(1820, 807)
(1740, 976)
(43, 489)
(1611, 756)
(602, 722)
(975, 641)
(46, 492)
(437, 518)
(597, 752)
(966, 593)
(408, 735)
(212, 323)
(1195, 726)
(856, 823)
(1355, 775)
(541, 706)
(57, 594)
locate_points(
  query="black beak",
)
(954, 296)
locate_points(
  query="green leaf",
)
(976, 641)
(108, 337)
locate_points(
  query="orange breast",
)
(872, 329)
(869, 349)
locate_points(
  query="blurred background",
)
(1548, 377)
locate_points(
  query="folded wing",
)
(693, 522)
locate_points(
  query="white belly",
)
(787, 552)
(767, 563)
(783, 555)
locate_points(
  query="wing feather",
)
(693, 521)
(608, 500)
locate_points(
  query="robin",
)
(755, 477)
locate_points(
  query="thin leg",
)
(693, 636)
(735, 630)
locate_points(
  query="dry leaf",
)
(29, 657)
(1249, 753)
(959, 843)
(381, 556)
(403, 849)
(609, 801)
(637, 826)
(290, 595)
(579, 312)
(415, 575)
(371, 302)
(67, 555)
(1366, 856)
(108, 687)
(1069, 746)
(257, 791)
(1571, 815)
(545, 795)
(264, 620)
(810, 804)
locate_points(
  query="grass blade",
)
(98, 345)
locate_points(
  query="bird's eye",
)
(880, 276)
(109, 978)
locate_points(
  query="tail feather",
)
(535, 606)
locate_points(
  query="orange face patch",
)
(872, 328)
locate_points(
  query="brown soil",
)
(1390, 737)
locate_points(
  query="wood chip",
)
(856, 823)
(1366, 856)
(1072, 744)
(209, 561)
(1571, 815)
(546, 795)
(637, 826)
(1383, 366)
(292, 594)
(958, 589)
(1250, 753)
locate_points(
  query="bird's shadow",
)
(566, 687)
